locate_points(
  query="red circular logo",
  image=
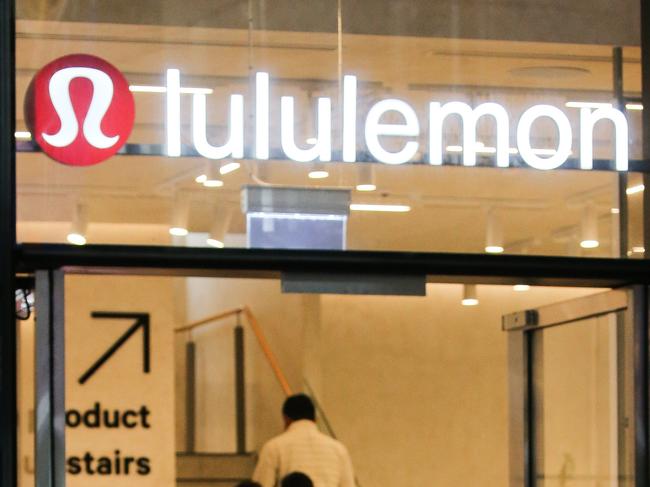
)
(79, 110)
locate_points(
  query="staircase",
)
(213, 469)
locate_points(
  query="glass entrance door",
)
(572, 385)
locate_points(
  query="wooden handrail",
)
(209, 319)
(259, 335)
(266, 349)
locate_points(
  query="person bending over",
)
(302, 448)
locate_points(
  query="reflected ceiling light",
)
(220, 224)
(318, 172)
(312, 140)
(634, 106)
(180, 216)
(589, 228)
(587, 104)
(521, 287)
(228, 167)
(212, 176)
(470, 295)
(23, 135)
(163, 89)
(481, 148)
(614, 211)
(77, 234)
(366, 178)
(635, 189)
(493, 234)
(387, 208)
(638, 250)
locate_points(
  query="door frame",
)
(521, 327)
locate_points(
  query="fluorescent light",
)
(479, 147)
(163, 89)
(312, 140)
(587, 104)
(178, 231)
(366, 187)
(494, 249)
(213, 183)
(638, 250)
(483, 149)
(544, 152)
(521, 287)
(318, 174)
(76, 239)
(634, 106)
(229, 167)
(213, 242)
(589, 244)
(23, 135)
(296, 216)
(615, 211)
(635, 189)
(201, 179)
(388, 208)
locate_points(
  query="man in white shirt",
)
(302, 448)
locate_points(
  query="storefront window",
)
(231, 97)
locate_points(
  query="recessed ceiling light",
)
(387, 208)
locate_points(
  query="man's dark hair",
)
(299, 406)
(296, 479)
(248, 483)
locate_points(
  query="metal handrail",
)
(259, 335)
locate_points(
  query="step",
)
(213, 469)
(207, 483)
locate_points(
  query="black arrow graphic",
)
(141, 321)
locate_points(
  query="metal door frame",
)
(521, 394)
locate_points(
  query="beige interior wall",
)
(417, 387)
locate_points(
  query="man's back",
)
(302, 448)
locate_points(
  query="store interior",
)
(416, 387)
(134, 199)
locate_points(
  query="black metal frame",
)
(8, 363)
(263, 263)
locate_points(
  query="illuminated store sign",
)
(106, 107)
(80, 110)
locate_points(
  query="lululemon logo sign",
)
(79, 110)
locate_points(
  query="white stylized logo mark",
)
(101, 100)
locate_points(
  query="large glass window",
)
(339, 68)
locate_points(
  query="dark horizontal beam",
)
(455, 159)
(270, 263)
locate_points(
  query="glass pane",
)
(583, 423)
(404, 55)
